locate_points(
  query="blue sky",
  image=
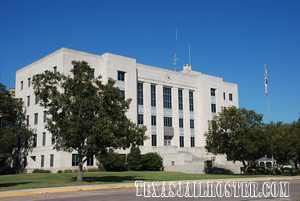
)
(229, 39)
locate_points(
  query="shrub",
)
(59, 171)
(41, 171)
(152, 162)
(113, 161)
(134, 159)
(68, 171)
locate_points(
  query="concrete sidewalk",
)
(130, 185)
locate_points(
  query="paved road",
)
(129, 194)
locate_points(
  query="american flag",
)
(266, 80)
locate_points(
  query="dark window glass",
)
(192, 141)
(231, 97)
(121, 75)
(167, 95)
(153, 95)
(213, 92)
(153, 120)
(140, 119)
(74, 159)
(213, 108)
(140, 93)
(181, 141)
(191, 98)
(192, 125)
(180, 123)
(168, 121)
(44, 138)
(180, 99)
(36, 118)
(51, 160)
(154, 140)
(42, 160)
(90, 161)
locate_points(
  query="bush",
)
(68, 171)
(134, 159)
(152, 162)
(59, 171)
(113, 161)
(41, 171)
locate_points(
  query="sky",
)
(232, 39)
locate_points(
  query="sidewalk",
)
(129, 185)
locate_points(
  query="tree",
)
(238, 134)
(85, 115)
(134, 159)
(14, 134)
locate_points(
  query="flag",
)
(266, 80)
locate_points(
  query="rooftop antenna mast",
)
(175, 55)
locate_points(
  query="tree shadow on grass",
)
(3, 185)
(110, 179)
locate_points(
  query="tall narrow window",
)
(231, 97)
(55, 69)
(140, 119)
(192, 124)
(180, 99)
(168, 121)
(36, 118)
(28, 101)
(153, 95)
(42, 160)
(154, 140)
(213, 108)
(140, 94)
(153, 120)
(90, 161)
(213, 92)
(167, 94)
(224, 95)
(34, 143)
(74, 159)
(29, 82)
(181, 141)
(192, 141)
(121, 75)
(22, 85)
(180, 123)
(44, 116)
(44, 138)
(191, 98)
(51, 160)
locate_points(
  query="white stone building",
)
(175, 106)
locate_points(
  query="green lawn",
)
(28, 181)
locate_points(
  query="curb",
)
(129, 185)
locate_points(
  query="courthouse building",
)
(176, 108)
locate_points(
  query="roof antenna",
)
(175, 55)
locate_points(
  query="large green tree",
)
(14, 134)
(237, 133)
(85, 114)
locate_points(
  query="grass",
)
(39, 180)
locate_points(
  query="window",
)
(51, 160)
(140, 119)
(42, 160)
(55, 69)
(154, 140)
(167, 97)
(74, 159)
(181, 141)
(153, 95)
(230, 97)
(44, 116)
(168, 121)
(180, 99)
(153, 120)
(122, 93)
(224, 96)
(52, 140)
(180, 123)
(44, 138)
(121, 75)
(191, 98)
(90, 161)
(21, 85)
(34, 143)
(140, 93)
(27, 120)
(192, 124)
(192, 141)
(213, 92)
(28, 101)
(213, 108)
(36, 118)
(29, 82)
(36, 99)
